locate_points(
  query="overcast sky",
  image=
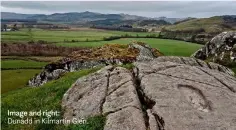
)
(149, 9)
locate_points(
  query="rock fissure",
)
(146, 102)
(182, 59)
(165, 68)
(197, 61)
(117, 88)
(160, 121)
(106, 91)
(209, 66)
(154, 97)
(224, 84)
(120, 109)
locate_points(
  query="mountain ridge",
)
(80, 16)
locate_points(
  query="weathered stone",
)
(145, 52)
(108, 91)
(46, 76)
(118, 77)
(86, 96)
(219, 49)
(124, 96)
(169, 58)
(166, 93)
(189, 97)
(153, 125)
(169, 61)
(129, 118)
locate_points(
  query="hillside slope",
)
(87, 17)
(210, 25)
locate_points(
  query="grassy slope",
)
(60, 36)
(168, 47)
(46, 97)
(212, 24)
(5, 64)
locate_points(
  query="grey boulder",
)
(166, 93)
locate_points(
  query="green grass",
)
(15, 79)
(46, 97)
(6, 64)
(168, 47)
(128, 66)
(234, 69)
(60, 36)
(33, 58)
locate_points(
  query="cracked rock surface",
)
(167, 93)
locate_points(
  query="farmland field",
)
(15, 79)
(86, 37)
(168, 47)
(33, 58)
(63, 35)
(23, 66)
(18, 73)
(11, 64)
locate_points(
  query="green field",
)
(15, 79)
(86, 37)
(58, 37)
(18, 77)
(46, 97)
(168, 47)
(61, 35)
(8, 64)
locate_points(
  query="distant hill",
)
(170, 20)
(9, 15)
(210, 25)
(71, 17)
(213, 24)
(153, 22)
(88, 18)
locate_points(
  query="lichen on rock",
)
(220, 49)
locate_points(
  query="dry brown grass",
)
(36, 49)
(108, 51)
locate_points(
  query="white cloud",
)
(150, 9)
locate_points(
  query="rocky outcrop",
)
(171, 93)
(221, 49)
(146, 52)
(90, 58)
